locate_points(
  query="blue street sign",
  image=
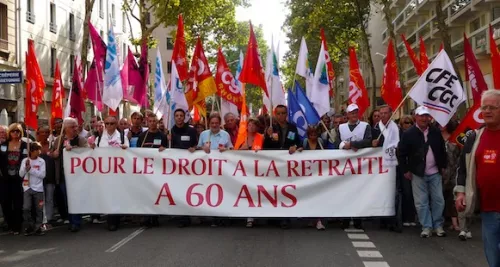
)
(9, 77)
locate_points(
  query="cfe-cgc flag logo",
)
(439, 89)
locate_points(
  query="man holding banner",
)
(354, 134)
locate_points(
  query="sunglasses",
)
(16, 131)
(408, 122)
(109, 123)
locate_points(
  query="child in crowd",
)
(33, 172)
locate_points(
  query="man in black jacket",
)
(282, 136)
(422, 156)
(182, 136)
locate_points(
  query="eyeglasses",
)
(16, 131)
(109, 123)
(486, 108)
(408, 122)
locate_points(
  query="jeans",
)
(430, 214)
(32, 197)
(491, 237)
(49, 202)
(74, 219)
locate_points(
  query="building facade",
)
(9, 57)
(417, 18)
(56, 27)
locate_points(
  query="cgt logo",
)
(442, 91)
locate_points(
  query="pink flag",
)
(95, 76)
(124, 77)
(76, 106)
(140, 92)
(93, 86)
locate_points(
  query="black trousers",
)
(407, 205)
(11, 200)
(113, 220)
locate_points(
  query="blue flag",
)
(311, 115)
(296, 115)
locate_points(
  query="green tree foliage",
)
(338, 18)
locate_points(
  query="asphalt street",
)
(235, 245)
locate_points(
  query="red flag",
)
(424, 60)
(226, 84)
(56, 106)
(252, 71)
(329, 64)
(357, 89)
(441, 47)
(196, 115)
(30, 105)
(495, 60)
(201, 83)
(473, 72)
(413, 56)
(472, 121)
(36, 74)
(76, 104)
(179, 53)
(390, 89)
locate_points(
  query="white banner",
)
(327, 183)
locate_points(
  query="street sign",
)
(10, 77)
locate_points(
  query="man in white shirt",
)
(354, 134)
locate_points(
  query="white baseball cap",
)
(422, 111)
(352, 107)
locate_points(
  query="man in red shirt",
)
(478, 176)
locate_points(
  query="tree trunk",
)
(89, 4)
(366, 43)
(443, 30)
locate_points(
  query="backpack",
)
(122, 139)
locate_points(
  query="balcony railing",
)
(53, 27)
(458, 5)
(101, 14)
(4, 44)
(113, 21)
(30, 17)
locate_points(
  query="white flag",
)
(160, 84)
(275, 88)
(320, 95)
(303, 68)
(113, 92)
(174, 98)
(439, 89)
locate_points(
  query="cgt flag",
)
(296, 115)
(473, 120)
(439, 90)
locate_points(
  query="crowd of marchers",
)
(437, 184)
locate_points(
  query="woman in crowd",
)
(313, 142)
(408, 206)
(3, 134)
(254, 141)
(12, 152)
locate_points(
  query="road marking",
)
(376, 264)
(363, 248)
(124, 241)
(358, 244)
(354, 230)
(358, 236)
(24, 254)
(369, 254)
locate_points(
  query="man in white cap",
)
(354, 134)
(422, 159)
